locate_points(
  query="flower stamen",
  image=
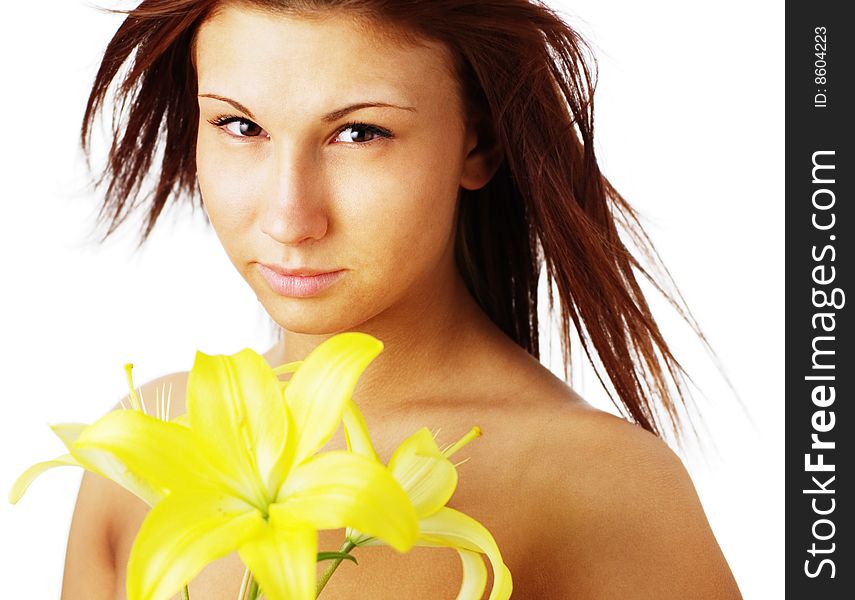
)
(169, 402)
(136, 404)
(163, 402)
(475, 432)
(142, 401)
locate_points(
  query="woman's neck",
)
(430, 340)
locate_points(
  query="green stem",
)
(346, 548)
(248, 587)
(244, 584)
(185, 593)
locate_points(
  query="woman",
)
(404, 169)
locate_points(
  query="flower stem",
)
(244, 584)
(346, 548)
(248, 587)
(185, 593)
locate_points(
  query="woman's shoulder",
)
(540, 416)
(591, 468)
(100, 526)
(558, 446)
(611, 502)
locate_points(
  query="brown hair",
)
(531, 77)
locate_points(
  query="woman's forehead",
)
(241, 49)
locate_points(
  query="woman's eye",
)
(351, 133)
(238, 127)
(357, 132)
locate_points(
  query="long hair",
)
(531, 78)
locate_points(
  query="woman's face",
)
(290, 182)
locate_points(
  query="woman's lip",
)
(298, 286)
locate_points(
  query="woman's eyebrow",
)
(338, 114)
(234, 103)
(329, 117)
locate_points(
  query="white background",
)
(690, 130)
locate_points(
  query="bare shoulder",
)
(616, 508)
(101, 515)
(164, 396)
(164, 393)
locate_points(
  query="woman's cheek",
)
(228, 191)
(398, 211)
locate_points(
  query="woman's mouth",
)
(298, 283)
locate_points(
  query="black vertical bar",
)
(820, 360)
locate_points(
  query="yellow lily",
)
(96, 461)
(429, 478)
(241, 472)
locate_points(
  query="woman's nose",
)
(295, 210)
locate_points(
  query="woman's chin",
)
(313, 320)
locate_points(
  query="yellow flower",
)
(429, 478)
(99, 462)
(241, 472)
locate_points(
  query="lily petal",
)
(337, 489)
(106, 465)
(182, 534)
(474, 576)
(359, 442)
(425, 474)
(356, 432)
(283, 561)
(181, 420)
(451, 528)
(68, 432)
(139, 452)
(318, 391)
(236, 406)
(21, 484)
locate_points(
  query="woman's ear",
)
(483, 155)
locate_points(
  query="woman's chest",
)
(380, 573)
(488, 490)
